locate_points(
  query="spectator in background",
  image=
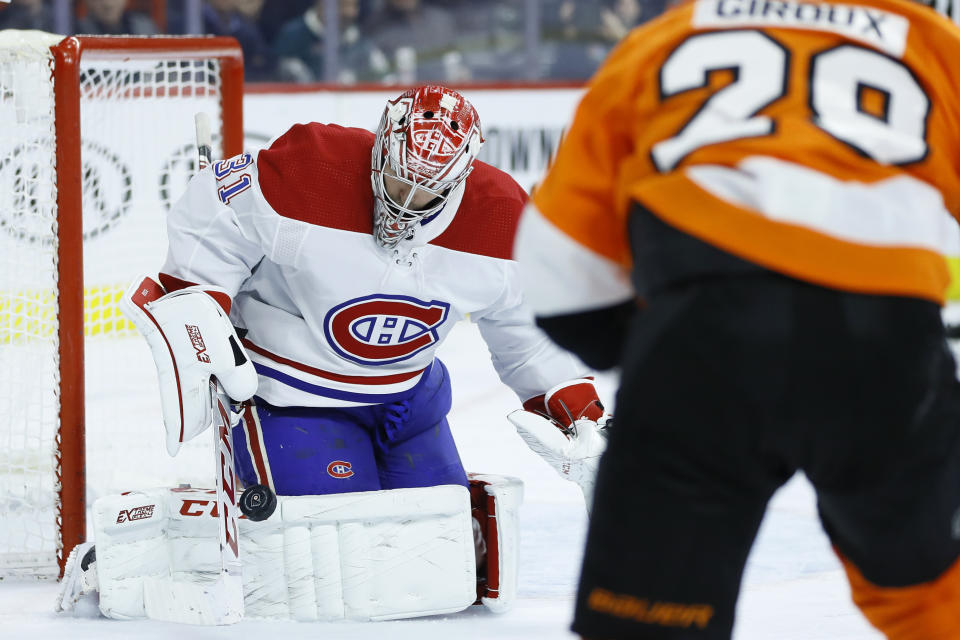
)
(300, 47)
(420, 41)
(222, 18)
(490, 36)
(251, 10)
(27, 14)
(572, 44)
(278, 14)
(620, 16)
(111, 17)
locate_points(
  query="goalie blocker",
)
(374, 555)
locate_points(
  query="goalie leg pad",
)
(130, 537)
(496, 503)
(373, 555)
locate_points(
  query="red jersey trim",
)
(328, 375)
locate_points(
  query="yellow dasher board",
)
(953, 293)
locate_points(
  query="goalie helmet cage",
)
(96, 143)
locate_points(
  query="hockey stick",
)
(204, 141)
(231, 585)
(221, 601)
(258, 501)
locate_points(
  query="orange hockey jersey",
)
(817, 139)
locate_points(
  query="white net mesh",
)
(29, 403)
(138, 152)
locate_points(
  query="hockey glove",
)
(191, 339)
(567, 427)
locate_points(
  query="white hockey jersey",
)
(332, 318)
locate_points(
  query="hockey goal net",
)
(97, 140)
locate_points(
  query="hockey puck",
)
(258, 502)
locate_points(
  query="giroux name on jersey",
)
(882, 29)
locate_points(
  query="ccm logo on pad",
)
(340, 469)
(197, 340)
(382, 329)
(195, 508)
(137, 513)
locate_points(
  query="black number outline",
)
(863, 152)
(787, 62)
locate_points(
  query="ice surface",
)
(794, 588)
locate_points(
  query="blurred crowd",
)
(373, 41)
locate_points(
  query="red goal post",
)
(114, 153)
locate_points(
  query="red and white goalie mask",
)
(424, 151)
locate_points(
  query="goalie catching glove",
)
(567, 426)
(192, 339)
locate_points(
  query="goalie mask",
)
(424, 150)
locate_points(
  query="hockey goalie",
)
(314, 282)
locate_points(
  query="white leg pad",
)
(364, 556)
(497, 499)
(130, 534)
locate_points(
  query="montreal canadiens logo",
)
(431, 138)
(340, 469)
(382, 329)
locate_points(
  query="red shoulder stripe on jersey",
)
(320, 174)
(487, 219)
(329, 375)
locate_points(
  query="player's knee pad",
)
(928, 611)
(365, 556)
